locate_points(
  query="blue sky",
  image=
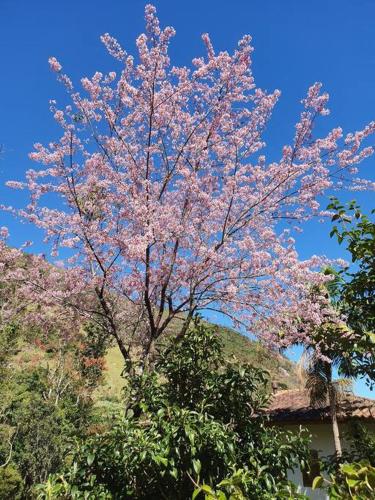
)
(297, 42)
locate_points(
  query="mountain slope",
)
(236, 346)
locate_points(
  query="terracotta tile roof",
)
(294, 406)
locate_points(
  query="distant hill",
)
(282, 371)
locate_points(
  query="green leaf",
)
(197, 466)
(352, 482)
(90, 458)
(348, 469)
(318, 482)
(196, 493)
(162, 460)
(220, 495)
(207, 489)
(174, 473)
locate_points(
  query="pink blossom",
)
(4, 233)
(54, 64)
(169, 204)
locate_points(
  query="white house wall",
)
(322, 441)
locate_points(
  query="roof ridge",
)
(295, 404)
(305, 391)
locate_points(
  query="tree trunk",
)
(335, 427)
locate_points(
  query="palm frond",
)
(317, 374)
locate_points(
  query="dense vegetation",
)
(192, 425)
(55, 411)
(161, 204)
(44, 406)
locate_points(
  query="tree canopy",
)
(161, 201)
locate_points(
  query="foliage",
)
(360, 446)
(352, 352)
(44, 404)
(361, 443)
(91, 350)
(236, 347)
(345, 339)
(233, 488)
(9, 336)
(187, 423)
(38, 425)
(11, 484)
(334, 345)
(353, 293)
(358, 286)
(353, 481)
(45, 381)
(318, 375)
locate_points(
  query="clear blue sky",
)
(297, 42)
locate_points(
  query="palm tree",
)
(335, 345)
(317, 375)
(331, 348)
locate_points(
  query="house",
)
(292, 409)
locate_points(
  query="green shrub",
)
(38, 424)
(189, 424)
(11, 483)
(354, 481)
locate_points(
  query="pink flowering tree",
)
(166, 204)
(38, 296)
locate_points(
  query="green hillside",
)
(236, 346)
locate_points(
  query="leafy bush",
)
(191, 424)
(360, 448)
(361, 444)
(43, 430)
(234, 486)
(45, 402)
(11, 483)
(352, 481)
(40, 427)
(90, 354)
(356, 288)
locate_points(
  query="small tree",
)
(334, 345)
(168, 205)
(357, 288)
